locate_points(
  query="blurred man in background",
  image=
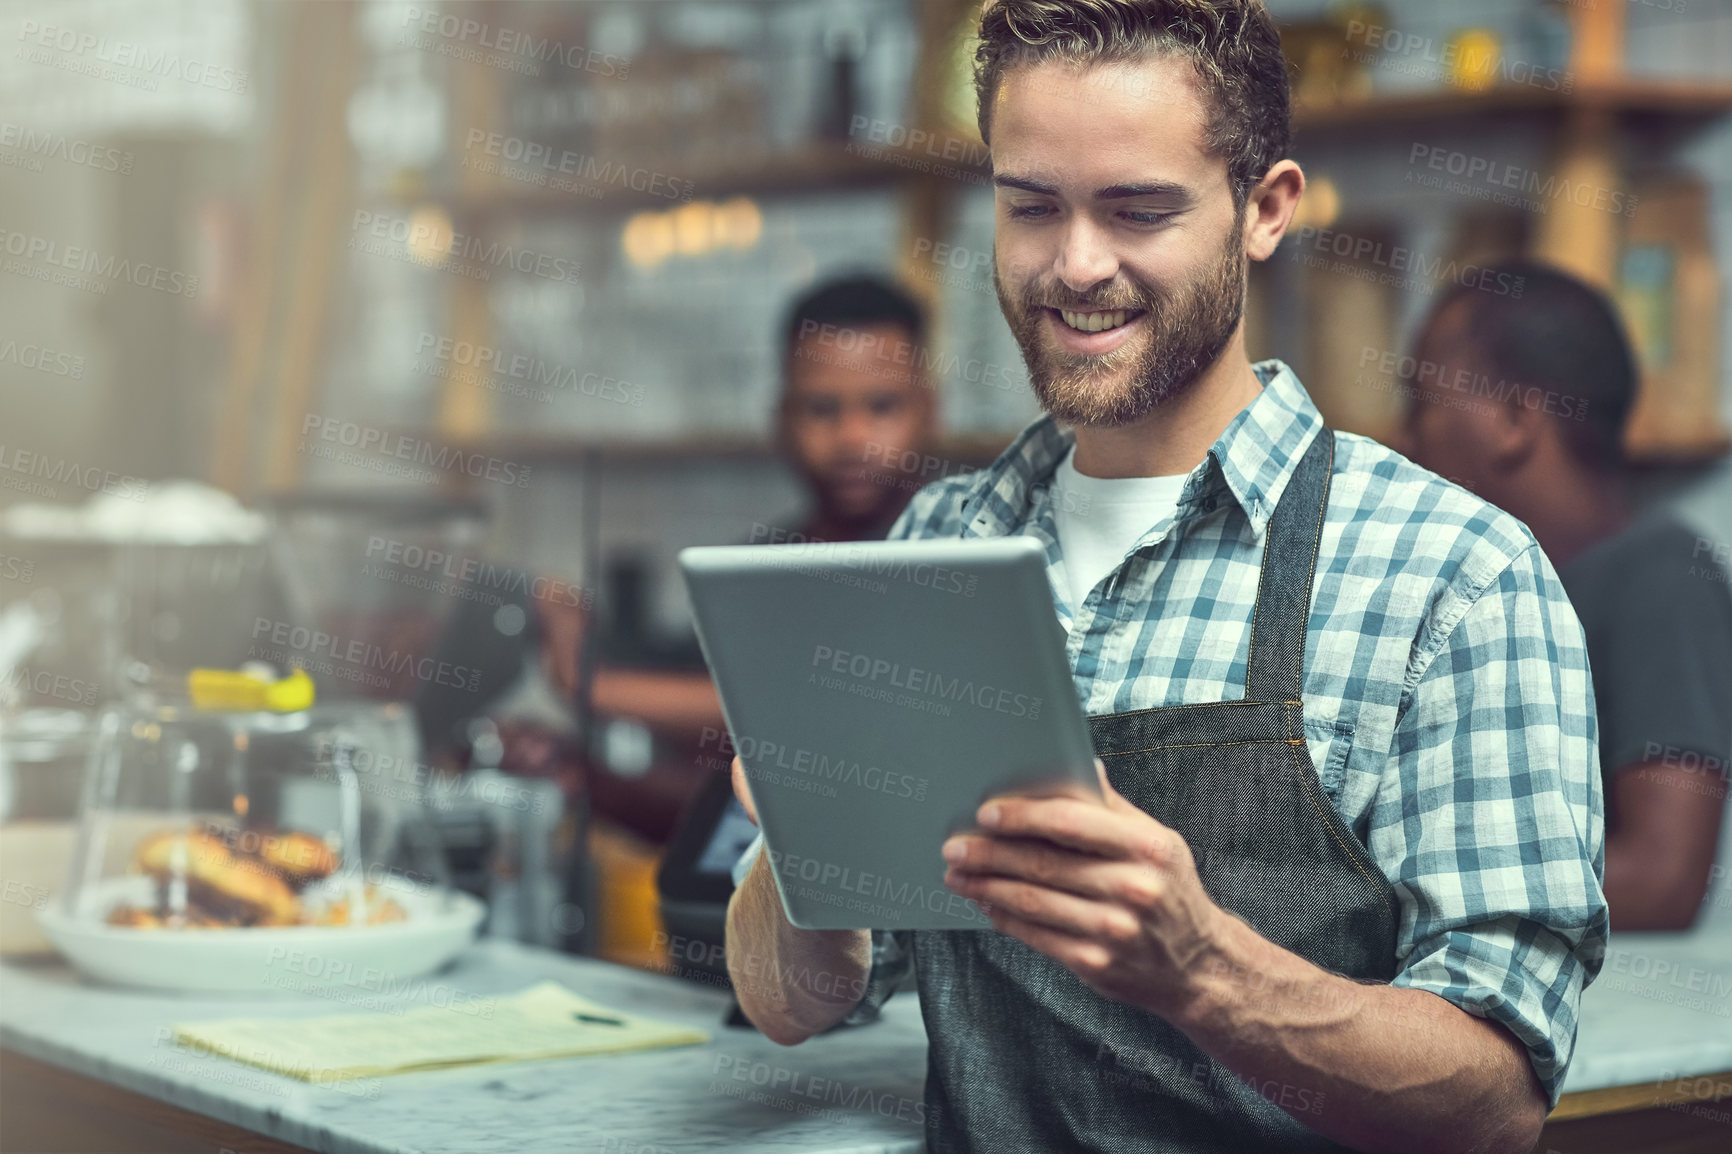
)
(856, 406)
(1523, 400)
(856, 409)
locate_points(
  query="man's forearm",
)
(791, 983)
(1374, 1067)
(1649, 887)
(1658, 859)
(681, 703)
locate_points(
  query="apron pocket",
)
(1329, 742)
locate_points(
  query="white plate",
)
(357, 963)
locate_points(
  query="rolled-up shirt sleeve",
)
(1490, 819)
(892, 965)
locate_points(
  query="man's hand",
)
(562, 634)
(1097, 885)
(1113, 895)
(743, 790)
(791, 983)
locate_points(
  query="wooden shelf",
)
(817, 168)
(1682, 456)
(1627, 97)
(958, 451)
(832, 167)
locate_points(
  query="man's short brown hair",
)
(1232, 44)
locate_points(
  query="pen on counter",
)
(597, 1019)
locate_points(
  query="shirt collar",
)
(1252, 460)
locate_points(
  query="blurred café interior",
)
(375, 358)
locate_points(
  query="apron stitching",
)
(1316, 544)
(1190, 705)
(1205, 745)
(1307, 776)
(1263, 566)
(1257, 610)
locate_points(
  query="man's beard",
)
(1186, 334)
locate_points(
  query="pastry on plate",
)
(193, 917)
(300, 857)
(231, 887)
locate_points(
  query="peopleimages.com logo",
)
(799, 767)
(356, 654)
(1402, 266)
(50, 255)
(488, 360)
(878, 894)
(368, 439)
(466, 576)
(41, 359)
(539, 164)
(914, 680)
(36, 145)
(529, 49)
(468, 254)
(822, 559)
(37, 474)
(142, 58)
(20, 569)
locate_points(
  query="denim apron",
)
(1024, 1057)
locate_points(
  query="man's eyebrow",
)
(1024, 183)
(1111, 192)
(1144, 188)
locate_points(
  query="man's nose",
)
(857, 427)
(1085, 256)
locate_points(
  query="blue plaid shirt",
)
(1448, 705)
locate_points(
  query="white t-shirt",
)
(1099, 519)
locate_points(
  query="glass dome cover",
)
(212, 843)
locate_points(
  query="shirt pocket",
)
(1330, 743)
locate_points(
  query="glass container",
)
(254, 850)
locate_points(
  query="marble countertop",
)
(1661, 1008)
(857, 1091)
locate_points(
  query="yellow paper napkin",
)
(543, 1021)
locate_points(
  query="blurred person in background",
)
(855, 421)
(1523, 400)
(856, 406)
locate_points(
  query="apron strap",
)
(1275, 667)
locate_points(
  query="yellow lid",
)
(232, 690)
(1473, 57)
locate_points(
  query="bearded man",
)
(1343, 889)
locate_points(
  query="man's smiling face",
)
(1120, 256)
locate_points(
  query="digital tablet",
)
(877, 693)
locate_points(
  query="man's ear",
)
(1270, 207)
(1516, 432)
